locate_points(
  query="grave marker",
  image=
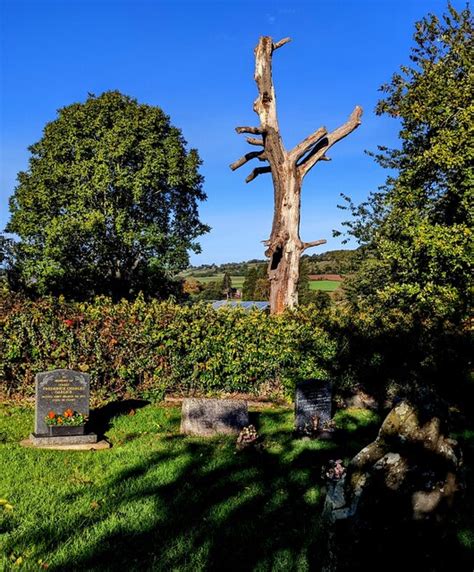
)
(313, 405)
(57, 392)
(207, 417)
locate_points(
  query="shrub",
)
(149, 348)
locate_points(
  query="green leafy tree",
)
(227, 284)
(211, 291)
(320, 299)
(417, 229)
(109, 203)
(255, 285)
(406, 329)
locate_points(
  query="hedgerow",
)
(149, 348)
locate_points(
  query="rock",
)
(397, 492)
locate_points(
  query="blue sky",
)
(194, 59)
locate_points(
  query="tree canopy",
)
(417, 229)
(109, 203)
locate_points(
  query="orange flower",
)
(68, 413)
(60, 420)
(51, 414)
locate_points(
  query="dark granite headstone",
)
(57, 391)
(208, 417)
(313, 405)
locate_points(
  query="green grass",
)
(324, 285)
(237, 281)
(160, 501)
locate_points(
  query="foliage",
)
(109, 203)
(227, 284)
(149, 348)
(213, 290)
(256, 286)
(306, 295)
(191, 286)
(417, 229)
(333, 262)
(405, 327)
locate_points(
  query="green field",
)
(237, 281)
(160, 501)
(324, 285)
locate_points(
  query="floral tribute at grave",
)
(69, 418)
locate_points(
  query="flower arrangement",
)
(248, 437)
(335, 470)
(69, 418)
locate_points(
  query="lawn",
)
(324, 285)
(160, 501)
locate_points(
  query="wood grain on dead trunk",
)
(288, 168)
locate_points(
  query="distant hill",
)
(330, 262)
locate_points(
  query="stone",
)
(64, 440)
(313, 406)
(399, 490)
(39, 444)
(57, 391)
(208, 417)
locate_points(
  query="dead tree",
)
(288, 168)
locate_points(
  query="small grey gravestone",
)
(58, 391)
(313, 405)
(207, 417)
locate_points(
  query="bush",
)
(149, 348)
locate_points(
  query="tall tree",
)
(288, 168)
(418, 227)
(227, 284)
(109, 203)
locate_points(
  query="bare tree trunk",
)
(288, 168)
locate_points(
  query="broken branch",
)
(256, 172)
(302, 148)
(280, 43)
(248, 157)
(318, 153)
(253, 130)
(254, 141)
(313, 243)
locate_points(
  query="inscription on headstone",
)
(58, 391)
(313, 405)
(208, 417)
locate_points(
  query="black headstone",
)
(313, 404)
(57, 391)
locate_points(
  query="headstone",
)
(207, 417)
(58, 391)
(313, 405)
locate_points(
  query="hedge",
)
(151, 348)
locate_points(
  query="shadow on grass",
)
(216, 509)
(100, 418)
(194, 504)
